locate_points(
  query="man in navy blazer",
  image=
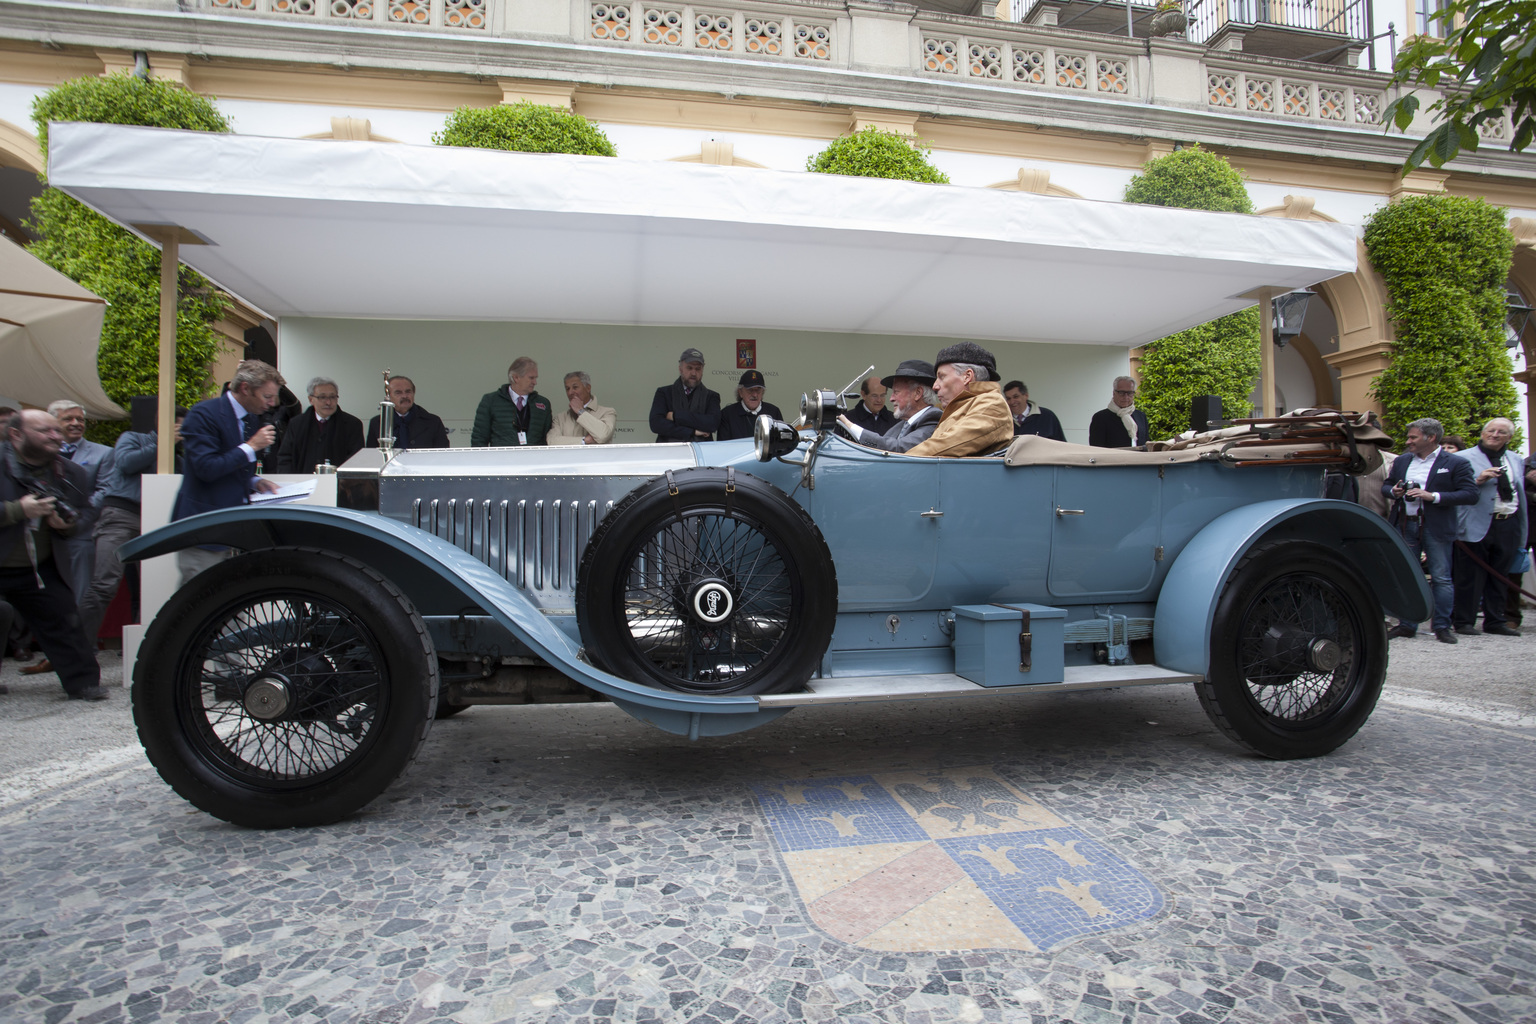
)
(219, 440)
(1492, 530)
(1430, 482)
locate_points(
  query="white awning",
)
(359, 229)
(50, 329)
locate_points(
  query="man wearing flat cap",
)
(740, 418)
(976, 419)
(917, 412)
(686, 410)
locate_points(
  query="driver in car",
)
(976, 418)
(917, 412)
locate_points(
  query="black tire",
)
(284, 688)
(1298, 652)
(754, 551)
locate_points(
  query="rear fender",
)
(441, 579)
(1187, 604)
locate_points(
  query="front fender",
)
(1181, 632)
(440, 578)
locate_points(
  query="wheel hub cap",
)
(711, 602)
(267, 698)
(1324, 655)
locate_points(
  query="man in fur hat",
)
(976, 420)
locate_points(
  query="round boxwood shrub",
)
(1445, 260)
(1192, 179)
(116, 265)
(1217, 358)
(875, 153)
(524, 127)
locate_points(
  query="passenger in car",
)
(917, 413)
(976, 419)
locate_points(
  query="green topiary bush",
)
(1216, 358)
(524, 128)
(113, 263)
(874, 153)
(1445, 260)
(1191, 179)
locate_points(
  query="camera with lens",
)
(61, 506)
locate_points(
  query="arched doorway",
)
(1360, 345)
(21, 161)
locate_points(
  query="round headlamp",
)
(773, 438)
(818, 410)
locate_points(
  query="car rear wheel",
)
(284, 688)
(708, 581)
(1298, 652)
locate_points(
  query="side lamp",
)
(1290, 313)
(1517, 315)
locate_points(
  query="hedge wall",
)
(524, 127)
(875, 153)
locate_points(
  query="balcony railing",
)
(1350, 19)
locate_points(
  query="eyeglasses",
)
(1119, 392)
(325, 398)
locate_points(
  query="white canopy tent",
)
(356, 229)
(50, 329)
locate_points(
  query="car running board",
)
(860, 689)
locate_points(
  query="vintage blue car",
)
(698, 587)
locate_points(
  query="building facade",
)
(1057, 97)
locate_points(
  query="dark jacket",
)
(1451, 477)
(737, 422)
(1042, 421)
(684, 421)
(908, 433)
(1106, 430)
(216, 472)
(881, 424)
(497, 421)
(307, 443)
(422, 430)
(70, 481)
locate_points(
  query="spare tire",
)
(708, 581)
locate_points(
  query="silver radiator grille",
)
(536, 543)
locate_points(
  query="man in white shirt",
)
(1492, 531)
(585, 422)
(1428, 483)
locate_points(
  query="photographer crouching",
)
(41, 493)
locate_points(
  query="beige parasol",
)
(50, 328)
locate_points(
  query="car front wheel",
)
(284, 688)
(1298, 652)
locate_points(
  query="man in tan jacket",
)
(976, 418)
(585, 422)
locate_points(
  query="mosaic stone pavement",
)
(569, 864)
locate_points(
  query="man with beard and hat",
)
(976, 420)
(1492, 531)
(740, 419)
(686, 410)
(917, 412)
(41, 493)
(1119, 424)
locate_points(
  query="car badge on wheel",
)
(712, 602)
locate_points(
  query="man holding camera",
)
(1492, 531)
(41, 494)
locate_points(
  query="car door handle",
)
(932, 514)
(1069, 512)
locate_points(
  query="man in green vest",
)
(516, 414)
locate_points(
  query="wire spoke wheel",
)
(1298, 651)
(284, 688)
(1297, 648)
(748, 576)
(711, 583)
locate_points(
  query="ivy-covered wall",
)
(1216, 358)
(112, 262)
(1445, 260)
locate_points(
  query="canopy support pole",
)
(1265, 297)
(165, 456)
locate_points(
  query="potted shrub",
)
(1169, 19)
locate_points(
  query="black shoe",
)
(1467, 630)
(91, 693)
(1499, 629)
(1445, 636)
(1402, 629)
(5, 689)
